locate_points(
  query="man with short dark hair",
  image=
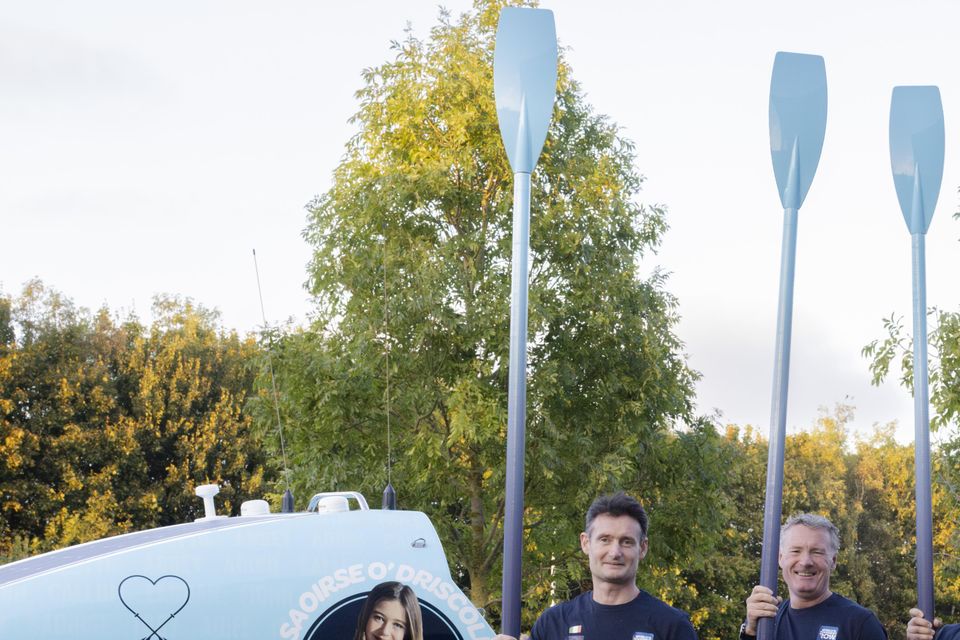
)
(808, 555)
(615, 541)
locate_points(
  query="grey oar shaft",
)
(516, 409)
(922, 431)
(778, 416)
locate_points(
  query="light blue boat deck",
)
(87, 551)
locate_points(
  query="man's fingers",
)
(762, 598)
(764, 611)
(762, 594)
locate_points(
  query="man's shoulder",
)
(949, 632)
(833, 603)
(643, 601)
(556, 618)
(839, 601)
(567, 606)
(662, 608)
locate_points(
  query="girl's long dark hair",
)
(392, 591)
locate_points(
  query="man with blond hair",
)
(808, 555)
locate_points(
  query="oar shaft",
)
(921, 418)
(516, 409)
(778, 415)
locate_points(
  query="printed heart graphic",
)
(154, 602)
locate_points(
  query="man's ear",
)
(644, 547)
(585, 542)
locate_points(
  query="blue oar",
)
(525, 84)
(798, 120)
(916, 156)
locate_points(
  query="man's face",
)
(807, 560)
(615, 547)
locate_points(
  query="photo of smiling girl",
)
(391, 612)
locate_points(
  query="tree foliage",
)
(862, 485)
(895, 351)
(107, 426)
(412, 254)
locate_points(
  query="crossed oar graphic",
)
(154, 632)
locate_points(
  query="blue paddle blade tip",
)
(916, 152)
(525, 82)
(798, 122)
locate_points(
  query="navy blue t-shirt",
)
(836, 618)
(643, 618)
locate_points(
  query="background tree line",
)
(106, 427)
(106, 424)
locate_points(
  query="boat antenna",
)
(287, 503)
(389, 495)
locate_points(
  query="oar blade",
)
(916, 152)
(525, 82)
(798, 121)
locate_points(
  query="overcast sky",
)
(147, 147)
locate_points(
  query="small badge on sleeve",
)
(642, 635)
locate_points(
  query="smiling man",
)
(808, 555)
(615, 541)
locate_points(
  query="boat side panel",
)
(296, 578)
(61, 558)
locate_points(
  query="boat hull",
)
(294, 576)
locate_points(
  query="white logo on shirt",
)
(828, 633)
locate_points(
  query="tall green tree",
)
(412, 252)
